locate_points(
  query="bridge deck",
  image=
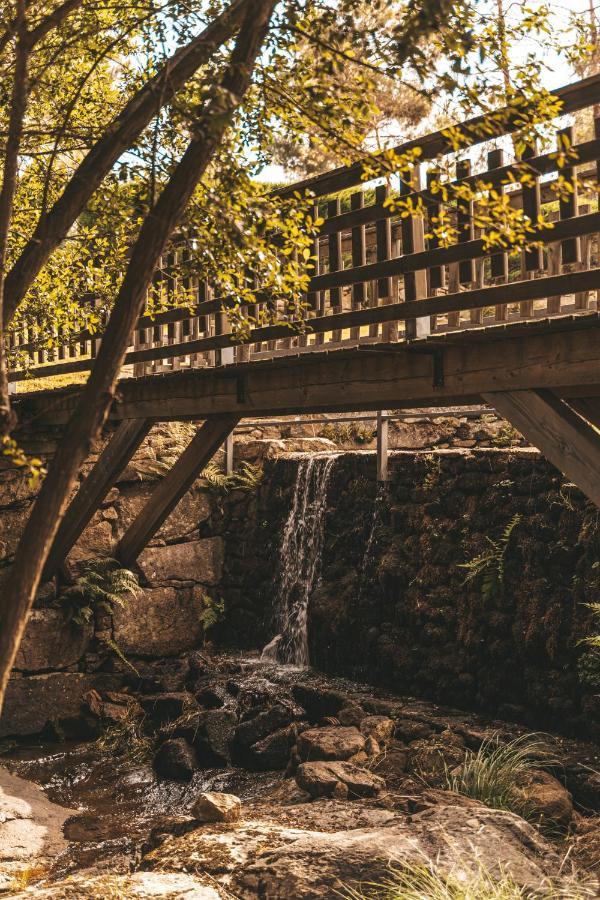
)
(561, 354)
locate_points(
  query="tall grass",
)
(494, 774)
(425, 882)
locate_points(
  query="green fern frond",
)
(490, 564)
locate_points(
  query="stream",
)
(122, 804)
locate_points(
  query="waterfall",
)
(300, 560)
(368, 560)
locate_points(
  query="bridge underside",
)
(543, 376)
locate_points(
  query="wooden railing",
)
(377, 278)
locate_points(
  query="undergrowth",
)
(588, 666)
(494, 773)
(416, 881)
(127, 739)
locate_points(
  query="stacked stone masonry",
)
(423, 630)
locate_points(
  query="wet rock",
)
(318, 701)
(214, 737)
(330, 743)
(320, 779)
(379, 728)
(50, 642)
(167, 707)
(212, 696)
(264, 723)
(455, 839)
(160, 676)
(162, 621)
(273, 752)
(114, 708)
(547, 799)
(215, 807)
(33, 701)
(200, 561)
(176, 759)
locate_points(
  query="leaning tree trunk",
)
(97, 396)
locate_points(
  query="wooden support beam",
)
(115, 456)
(174, 485)
(589, 408)
(569, 442)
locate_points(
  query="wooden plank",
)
(415, 282)
(173, 486)
(92, 491)
(569, 442)
(359, 258)
(568, 206)
(518, 357)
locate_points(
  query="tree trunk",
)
(97, 396)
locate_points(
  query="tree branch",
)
(119, 136)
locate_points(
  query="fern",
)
(103, 583)
(247, 478)
(588, 666)
(212, 612)
(489, 566)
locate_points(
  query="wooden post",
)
(174, 485)
(382, 445)
(413, 241)
(229, 454)
(115, 456)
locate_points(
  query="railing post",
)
(382, 445)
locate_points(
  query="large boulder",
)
(337, 742)
(453, 838)
(50, 642)
(328, 779)
(198, 561)
(164, 621)
(33, 701)
(273, 752)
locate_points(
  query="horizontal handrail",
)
(574, 97)
(519, 291)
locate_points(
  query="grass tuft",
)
(425, 882)
(494, 773)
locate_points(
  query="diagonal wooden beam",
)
(174, 485)
(588, 407)
(567, 440)
(113, 459)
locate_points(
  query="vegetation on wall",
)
(101, 584)
(487, 568)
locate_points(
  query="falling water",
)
(300, 559)
(371, 545)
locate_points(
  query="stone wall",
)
(404, 614)
(402, 617)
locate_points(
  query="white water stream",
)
(300, 560)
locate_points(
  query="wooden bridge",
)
(394, 321)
